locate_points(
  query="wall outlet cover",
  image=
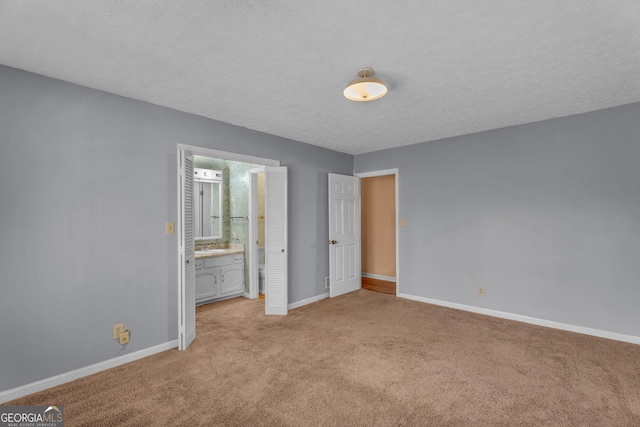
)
(327, 283)
(124, 338)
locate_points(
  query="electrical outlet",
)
(117, 330)
(124, 338)
(481, 291)
(403, 222)
(169, 228)
(327, 282)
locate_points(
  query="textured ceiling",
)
(452, 67)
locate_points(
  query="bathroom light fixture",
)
(365, 87)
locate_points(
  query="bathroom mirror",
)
(207, 204)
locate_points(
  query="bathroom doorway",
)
(276, 189)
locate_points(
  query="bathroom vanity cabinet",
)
(219, 277)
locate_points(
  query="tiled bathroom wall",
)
(239, 212)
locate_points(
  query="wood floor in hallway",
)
(378, 285)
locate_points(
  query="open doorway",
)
(379, 231)
(222, 229)
(204, 275)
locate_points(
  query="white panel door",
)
(187, 306)
(275, 204)
(344, 234)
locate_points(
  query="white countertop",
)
(210, 253)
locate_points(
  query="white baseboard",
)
(37, 386)
(379, 277)
(209, 301)
(308, 301)
(526, 319)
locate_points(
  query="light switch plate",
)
(169, 228)
(403, 222)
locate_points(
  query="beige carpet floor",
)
(363, 359)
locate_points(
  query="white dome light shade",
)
(365, 88)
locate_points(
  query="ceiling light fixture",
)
(365, 87)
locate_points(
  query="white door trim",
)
(254, 280)
(383, 173)
(227, 155)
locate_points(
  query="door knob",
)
(333, 242)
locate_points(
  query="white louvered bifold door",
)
(276, 250)
(187, 326)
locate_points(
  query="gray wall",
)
(545, 216)
(87, 181)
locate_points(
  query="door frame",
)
(218, 154)
(254, 280)
(385, 172)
